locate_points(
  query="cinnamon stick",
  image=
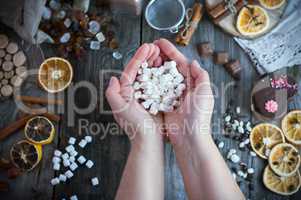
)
(39, 100)
(185, 35)
(239, 4)
(218, 10)
(13, 127)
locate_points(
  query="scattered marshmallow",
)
(66, 163)
(81, 159)
(55, 181)
(74, 197)
(235, 158)
(95, 181)
(88, 138)
(72, 140)
(251, 171)
(73, 153)
(56, 160)
(69, 174)
(65, 156)
(73, 166)
(57, 153)
(72, 159)
(63, 178)
(82, 143)
(56, 167)
(253, 154)
(221, 145)
(70, 148)
(89, 164)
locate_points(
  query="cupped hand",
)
(138, 124)
(191, 122)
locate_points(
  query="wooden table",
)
(110, 152)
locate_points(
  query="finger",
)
(151, 51)
(158, 62)
(129, 74)
(173, 53)
(127, 93)
(198, 74)
(113, 95)
(155, 55)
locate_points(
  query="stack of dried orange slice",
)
(272, 4)
(282, 174)
(27, 154)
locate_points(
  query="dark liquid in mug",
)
(165, 13)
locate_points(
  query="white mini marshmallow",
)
(89, 164)
(63, 177)
(70, 148)
(74, 197)
(72, 140)
(69, 174)
(73, 153)
(144, 65)
(65, 156)
(82, 143)
(56, 160)
(66, 163)
(72, 159)
(73, 166)
(95, 181)
(56, 167)
(81, 159)
(57, 153)
(88, 138)
(55, 181)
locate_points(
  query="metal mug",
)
(165, 15)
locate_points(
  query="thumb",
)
(113, 96)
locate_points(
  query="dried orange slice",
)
(284, 159)
(26, 155)
(252, 20)
(291, 126)
(39, 130)
(55, 74)
(280, 184)
(264, 137)
(272, 4)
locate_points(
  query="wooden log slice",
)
(9, 75)
(7, 66)
(1, 75)
(1, 61)
(2, 53)
(21, 71)
(16, 81)
(8, 57)
(12, 48)
(6, 90)
(3, 41)
(19, 59)
(4, 82)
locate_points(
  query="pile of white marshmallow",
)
(158, 88)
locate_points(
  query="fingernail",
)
(111, 81)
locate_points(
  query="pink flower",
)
(271, 106)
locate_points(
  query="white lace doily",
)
(279, 48)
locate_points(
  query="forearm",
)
(205, 173)
(143, 176)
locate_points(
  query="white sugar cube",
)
(56, 167)
(63, 177)
(69, 174)
(55, 181)
(73, 166)
(70, 148)
(81, 159)
(89, 164)
(57, 153)
(88, 138)
(56, 160)
(74, 197)
(100, 37)
(72, 159)
(73, 153)
(94, 181)
(66, 163)
(82, 143)
(65, 156)
(72, 140)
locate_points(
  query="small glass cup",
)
(166, 15)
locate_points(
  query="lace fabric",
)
(279, 48)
